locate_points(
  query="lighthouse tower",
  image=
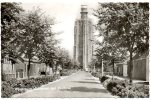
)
(83, 39)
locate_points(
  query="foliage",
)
(64, 58)
(34, 82)
(7, 90)
(96, 74)
(111, 85)
(67, 72)
(14, 86)
(37, 30)
(103, 78)
(10, 21)
(26, 33)
(122, 89)
(12, 82)
(126, 27)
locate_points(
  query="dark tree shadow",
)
(85, 82)
(145, 83)
(85, 89)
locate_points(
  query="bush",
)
(67, 72)
(7, 90)
(102, 79)
(12, 82)
(110, 85)
(123, 93)
(105, 83)
(141, 91)
(122, 89)
(114, 91)
(96, 74)
(14, 86)
(34, 82)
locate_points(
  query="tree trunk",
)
(131, 67)
(113, 67)
(46, 70)
(28, 68)
(2, 72)
(53, 67)
(102, 68)
(12, 70)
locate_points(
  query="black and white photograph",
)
(75, 49)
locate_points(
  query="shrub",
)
(114, 91)
(96, 74)
(67, 72)
(105, 83)
(110, 85)
(93, 74)
(102, 79)
(122, 89)
(7, 90)
(12, 82)
(14, 86)
(34, 82)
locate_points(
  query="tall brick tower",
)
(83, 39)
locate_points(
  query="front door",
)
(19, 73)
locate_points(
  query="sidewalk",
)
(38, 88)
(78, 85)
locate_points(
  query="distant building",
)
(18, 69)
(121, 69)
(83, 39)
(140, 67)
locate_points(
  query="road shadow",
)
(85, 89)
(85, 82)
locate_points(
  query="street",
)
(80, 84)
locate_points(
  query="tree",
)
(110, 53)
(9, 30)
(37, 29)
(47, 55)
(10, 22)
(126, 26)
(63, 58)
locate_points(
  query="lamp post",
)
(102, 67)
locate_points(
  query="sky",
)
(65, 14)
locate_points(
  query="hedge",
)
(96, 74)
(123, 90)
(14, 86)
(67, 72)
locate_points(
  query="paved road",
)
(80, 84)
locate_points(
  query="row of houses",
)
(19, 68)
(140, 67)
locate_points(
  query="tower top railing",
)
(84, 9)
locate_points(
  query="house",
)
(140, 67)
(7, 68)
(121, 69)
(18, 69)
